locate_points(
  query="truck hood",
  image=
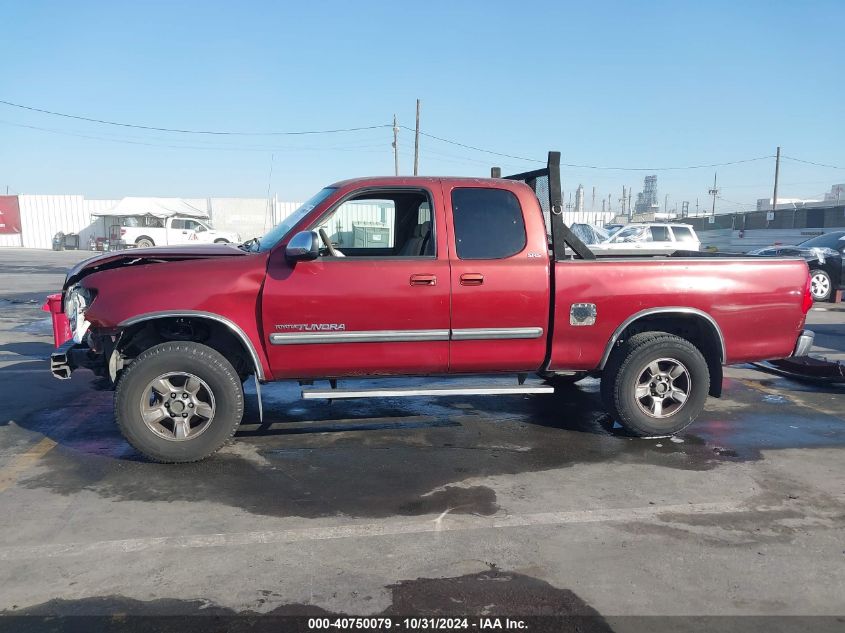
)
(154, 255)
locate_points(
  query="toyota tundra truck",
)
(418, 276)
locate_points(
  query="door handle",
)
(423, 280)
(472, 279)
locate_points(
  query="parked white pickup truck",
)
(146, 230)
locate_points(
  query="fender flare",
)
(201, 314)
(668, 310)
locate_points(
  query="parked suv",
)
(649, 239)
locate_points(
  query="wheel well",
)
(692, 327)
(221, 240)
(218, 336)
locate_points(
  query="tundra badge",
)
(312, 327)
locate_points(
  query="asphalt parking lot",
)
(466, 505)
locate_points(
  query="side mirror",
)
(303, 246)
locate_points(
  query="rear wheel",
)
(820, 285)
(144, 242)
(655, 384)
(179, 402)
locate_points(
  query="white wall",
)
(44, 216)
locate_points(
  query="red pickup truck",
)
(418, 277)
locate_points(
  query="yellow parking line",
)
(10, 473)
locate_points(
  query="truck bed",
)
(756, 304)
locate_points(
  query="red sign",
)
(10, 215)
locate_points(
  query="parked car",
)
(146, 231)
(648, 239)
(466, 286)
(825, 256)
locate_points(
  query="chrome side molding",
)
(496, 333)
(365, 336)
(405, 336)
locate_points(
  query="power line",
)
(603, 167)
(236, 148)
(185, 131)
(362, 128)
(809, 162)
(738, 204)
(472, 147)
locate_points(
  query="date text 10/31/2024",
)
(417, 623)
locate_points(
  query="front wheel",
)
(655, 384)
(179, 402)
(820, 285)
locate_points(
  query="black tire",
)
(144, 242)
(821, 285)
(627, 366)
(203, 362)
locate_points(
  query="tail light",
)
(807, 301)
(123, 231)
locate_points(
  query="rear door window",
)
(660, 234)
(682, 234)
(488, 223)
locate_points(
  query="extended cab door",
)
(378, 305)
(500, 278)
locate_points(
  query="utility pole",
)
(417, 142)
(777, 173)
(609, 198)
(666, 203)
(395, 146)
(624, 199)
(630, 208)
(714, 192)
(593, 203)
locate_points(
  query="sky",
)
(641, 85)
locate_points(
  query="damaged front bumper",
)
(70, 356)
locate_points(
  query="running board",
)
(340, 394)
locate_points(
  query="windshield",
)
(629, 234)
(278, 232)
(589, 234)
(828, 240)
